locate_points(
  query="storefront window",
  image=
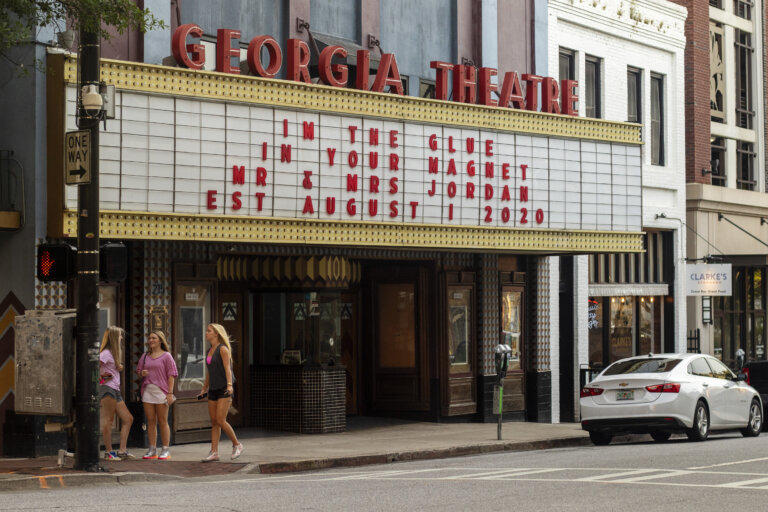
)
(634, 326)
(622, 331)
(511, 327)
(739, 320)
(459, 300)
(596, 331)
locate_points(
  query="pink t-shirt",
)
(107, 366)
(159, 369)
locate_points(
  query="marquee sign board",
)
(212, 158)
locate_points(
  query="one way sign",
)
(77, 146)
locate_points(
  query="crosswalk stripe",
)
(515, 474)
(483, 474)
(614, 475)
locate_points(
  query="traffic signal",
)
(113, 262)
(56, 262)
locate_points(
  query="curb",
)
(440, 453)
(34, 483)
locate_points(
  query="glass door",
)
(462, 396)
(513, 334)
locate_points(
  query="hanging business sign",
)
(704, 279)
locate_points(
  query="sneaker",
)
(151, 453)
(112, 455)
(165, 453)
(126, 455)
(212, 457)
(237, 450)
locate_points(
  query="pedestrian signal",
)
(56, 262)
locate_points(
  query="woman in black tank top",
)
(219, 380)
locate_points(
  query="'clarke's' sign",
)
(470, 84)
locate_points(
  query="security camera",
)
(91, 99)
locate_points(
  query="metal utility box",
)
(44, 377)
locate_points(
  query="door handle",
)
(705, 384)
(728, 386)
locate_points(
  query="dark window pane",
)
(745, 166)
(717, 162)
(700, 367)
(657, 120)
(744, 52)
(757, 278)
(634, 96)
(567, 65)
(621, 336)
(592, 85)
(742, 8)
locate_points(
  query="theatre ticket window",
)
(193, 314)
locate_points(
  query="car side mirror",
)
(741, 377)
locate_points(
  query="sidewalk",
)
(367, 441)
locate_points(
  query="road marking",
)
(672, 473)
(745, 461)
(383, 474)
(484, 474)
(614, 475)
(745, 483)
(516, 474)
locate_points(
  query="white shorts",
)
(153, 395)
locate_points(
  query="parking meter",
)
(741, 359)
(502, 354)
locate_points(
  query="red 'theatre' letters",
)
(441, 78)
(487, 88)
(225, 52)
(254, 56)
(388, 76)
(190, 55)
(298, 61)
(333, 74)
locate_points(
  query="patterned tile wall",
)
(542, 319)
(488, 313)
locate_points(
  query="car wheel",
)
(660, 436)
(755, 420)
(600, 438)
(700, 429)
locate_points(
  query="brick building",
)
(725, 170)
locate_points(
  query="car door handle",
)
(728, 386)
(705, 384)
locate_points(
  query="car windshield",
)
(645, 365)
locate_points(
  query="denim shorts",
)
(108, 391)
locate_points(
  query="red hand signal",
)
(46, 263)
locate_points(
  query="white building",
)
(628, 58)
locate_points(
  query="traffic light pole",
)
(87, 280)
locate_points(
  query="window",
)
(593, 88)
(700, 367)
(567, 64)
(742, 8)
(404, 79)
(644, 365)
(717, 162)
(634, 95)
(745, 166)
(719, 370)
(716, 3)
(744, 51)
(426, 88)
(739, 320)
(716, 73)
(657, 119)
(647, 267)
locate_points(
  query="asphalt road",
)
(727, 472)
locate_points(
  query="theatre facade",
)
(365, 250)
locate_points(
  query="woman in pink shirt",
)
(110, 366)
(158, 370)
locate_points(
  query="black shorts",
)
(216, 394)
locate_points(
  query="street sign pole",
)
(87, 280)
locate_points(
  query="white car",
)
(660, 394)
